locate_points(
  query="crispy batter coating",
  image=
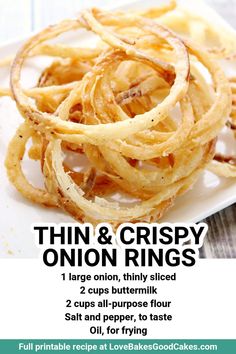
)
(131, 117)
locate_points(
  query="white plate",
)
(209, 195)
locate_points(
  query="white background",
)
(33, 301)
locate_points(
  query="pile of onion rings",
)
(136, 106)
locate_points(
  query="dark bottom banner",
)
(13, 346)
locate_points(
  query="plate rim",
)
(17, 41)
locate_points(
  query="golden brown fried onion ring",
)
(114, 104)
